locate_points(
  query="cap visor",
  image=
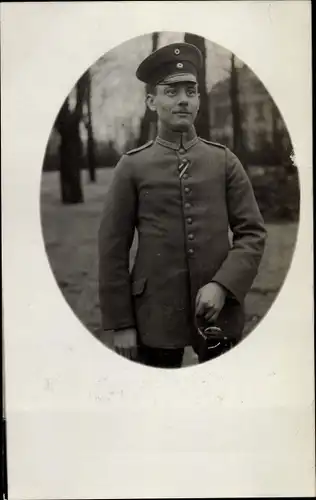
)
(179, 77)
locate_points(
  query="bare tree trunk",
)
(202, 124)
(238, 145)
(67, 124)
(148, 123)
(90, 139)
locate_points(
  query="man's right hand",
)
(125, 342)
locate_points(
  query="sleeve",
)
(239, 269)
(115, 238)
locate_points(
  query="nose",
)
(183, 98)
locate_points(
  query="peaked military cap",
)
(171, 63)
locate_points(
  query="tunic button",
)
(181, 150)
(191, 251)
(187, 190)
(189, 220)
(187, 205)
(185, 176)
(191, 236)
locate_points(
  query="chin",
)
(182, 126)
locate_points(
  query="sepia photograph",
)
(169, 199)
(157, 250)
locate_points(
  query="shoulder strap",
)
(144, 146)
(217, 144)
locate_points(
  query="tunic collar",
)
(177, 140)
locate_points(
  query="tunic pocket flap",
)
(138, 286)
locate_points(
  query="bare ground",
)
(70, 235)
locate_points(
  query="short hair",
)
(151, 89)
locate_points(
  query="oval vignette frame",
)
(268, 153)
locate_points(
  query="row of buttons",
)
(187, 205)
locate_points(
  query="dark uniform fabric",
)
(160, 358)
(182, 199)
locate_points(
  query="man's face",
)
(176, 104)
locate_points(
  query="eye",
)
(191, 91)
(171, 91)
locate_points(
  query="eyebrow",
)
(178, 84)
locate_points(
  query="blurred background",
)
(105, 115)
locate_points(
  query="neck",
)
(177, 137)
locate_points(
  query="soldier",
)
(182, 194)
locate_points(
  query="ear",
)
(151, 102)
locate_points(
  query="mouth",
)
(182, 113)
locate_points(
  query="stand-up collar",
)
(177, 140)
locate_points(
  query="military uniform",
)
(182, 194)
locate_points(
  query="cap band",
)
(178, 77)
(171, 68)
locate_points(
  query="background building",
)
(264, 134)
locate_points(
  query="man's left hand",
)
(210, 300)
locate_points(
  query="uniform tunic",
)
(182, 199)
